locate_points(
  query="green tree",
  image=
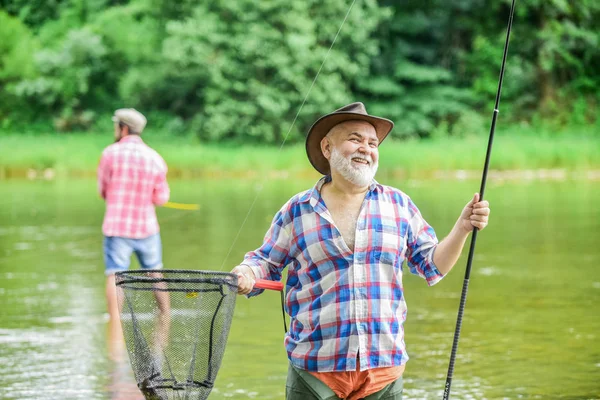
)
(132, 37)
(239, 70)
(16, 49)
(246, 65)
(33, 12)
(16, 63)
(416, 81)
(554, 52)
(67, 79)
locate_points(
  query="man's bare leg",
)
(163, 301)
(116, 342)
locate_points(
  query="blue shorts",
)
(117, 253)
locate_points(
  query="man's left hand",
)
(475, 214)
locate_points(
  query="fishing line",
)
(289, 130)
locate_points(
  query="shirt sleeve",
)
(269, 260)
(421, 244)
(103, 174)
(162, 192)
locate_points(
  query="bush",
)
(66, 76)
(16, 63)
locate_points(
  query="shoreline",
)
(516, 157)
(540, 174)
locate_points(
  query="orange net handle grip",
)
(270, 285)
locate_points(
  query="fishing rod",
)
(181, 206)
(463, 297)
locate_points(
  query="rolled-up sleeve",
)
(161, 192)
(269, 260)
(103, 174)
(421, 244)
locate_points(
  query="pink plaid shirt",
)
(132, 178)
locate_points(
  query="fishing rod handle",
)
(269, 285)
(461, 308)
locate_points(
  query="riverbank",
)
(55, 156)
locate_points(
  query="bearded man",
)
(344, 242)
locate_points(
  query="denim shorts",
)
(117, 253)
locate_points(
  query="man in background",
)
(132, 179)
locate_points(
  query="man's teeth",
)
(360, 160)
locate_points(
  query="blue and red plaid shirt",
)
(343, 303)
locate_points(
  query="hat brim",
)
(324, 124)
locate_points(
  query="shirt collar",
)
(132, 139)
(314, 194)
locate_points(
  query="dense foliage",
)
(240, 70)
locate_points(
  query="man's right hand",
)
(246, 278)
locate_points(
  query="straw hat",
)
(134, 119)
(351, 112)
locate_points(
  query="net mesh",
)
(175, 324)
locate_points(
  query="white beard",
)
(359, 175)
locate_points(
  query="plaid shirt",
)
(132, 178)
(345, 303)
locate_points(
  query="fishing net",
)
(175, 324)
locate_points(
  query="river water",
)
(531, 328)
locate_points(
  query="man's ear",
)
(326, 146)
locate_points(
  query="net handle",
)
(266, 284)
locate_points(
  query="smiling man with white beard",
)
(360, 175)
(344, 243)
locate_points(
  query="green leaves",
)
(16, 49)
(66, 72)
(255, 61)
(418, 73)
(240, 70)
(66, 77)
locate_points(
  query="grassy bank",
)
(78, 154)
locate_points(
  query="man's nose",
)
(364, 148)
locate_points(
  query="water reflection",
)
(121, 383)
